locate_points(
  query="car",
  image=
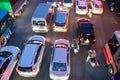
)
(61, 21)
(97, 7)
(60, 60)
(85, 32)
(68, 3)
(81, 7)
(8, 58)
(31, 58)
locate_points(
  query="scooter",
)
(93, 62)
(75, 48)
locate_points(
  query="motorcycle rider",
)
(75, 46)
(91, 55)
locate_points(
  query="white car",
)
(97, 7)
(61, 21)
(60, 60)
(8, 59)
(81, 7)
(68, 3)
(31, 58)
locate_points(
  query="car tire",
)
(110, 70)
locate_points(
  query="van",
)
(41, 18)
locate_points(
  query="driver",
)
(75, 44)
(91, 54)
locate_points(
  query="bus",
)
(41, 18)
(7, 27)
(112, 54)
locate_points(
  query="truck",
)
(14, 7)
(112, 55)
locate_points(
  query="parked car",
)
(8, 58)
(85, 32)
(81, 7)
(61, 21)
(97, 7)
(30, 61)
(60, 60)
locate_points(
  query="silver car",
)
(60, 60)
(31, 58)
(8, 59)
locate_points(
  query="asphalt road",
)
(104, 26)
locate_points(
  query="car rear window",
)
(67, 1)
(60, 24)
(61, 46)
(59, 66)
(25, 69)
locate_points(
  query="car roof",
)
(61, 17)
(60, 55)
(28, 55)
(82, 3)
(87, 28)
(41, 11)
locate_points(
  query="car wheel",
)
(110, 70)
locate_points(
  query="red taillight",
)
(94, 40)
(33, 69)
(3, 70)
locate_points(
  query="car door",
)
(6, 69)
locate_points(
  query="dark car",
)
(85, 32)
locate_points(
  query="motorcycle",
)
(93, 62)
(75, 48)
(91, 58)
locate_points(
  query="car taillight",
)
(94, 40)
(3, 70)
(33, 69)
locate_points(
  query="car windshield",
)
(50, 0)
(60, 24)
(59, 66)
(61, 46)
(25, 69)
(67, 1)
(82, 7)
(39, 23)
(89, 37)
(5, 54)
(98, 5)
